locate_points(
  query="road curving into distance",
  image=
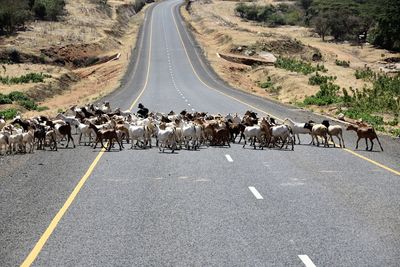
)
(216, 206)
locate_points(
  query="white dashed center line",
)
(255, 192)
(229, 158)
(307, 261)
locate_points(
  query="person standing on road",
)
(142, 112)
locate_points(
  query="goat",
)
(2, 122)
(28, 138)
(110, 134)
(334, 130)
(51, 138)
(365, 132)
(297, 128)
(166, 138)
(65, 130)
(318, 130)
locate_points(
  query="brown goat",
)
(366, 133)
(105, 134)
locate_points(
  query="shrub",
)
(327, 95)
(365, 74)
(17, 96)
(5, 99)
(269, 86)
(30, 77)
(342, 63)
(8, 114)
(298, 66)
(281, 14)
(29, 104)
(319, 79)
(356, 113)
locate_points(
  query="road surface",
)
(213, 207)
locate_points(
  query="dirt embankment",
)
(85, 53)
(220, 32)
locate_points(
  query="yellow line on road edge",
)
(260, 110)
(53, 224)
(43, 239)
(372, 161)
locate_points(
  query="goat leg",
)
(379, 143)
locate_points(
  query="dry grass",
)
(211, 20)
(84, 25)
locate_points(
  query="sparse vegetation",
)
(270, 86)
(30, 77)
(8, 114)
(318, 79)
(298, 66)
(14, 14)
(327, 95)
(342, 63)
(353, 20)
(382, 97)
(365, 74)
(21, 99)
(281, 14)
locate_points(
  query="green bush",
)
(42, 108)
(365, 74)
(8, 114)
(342, 63)
(281, 14)
(29, 104)
(298, 66)
(30, 77)
(18, 96)
(5, 99)
(355, 113)
(269, 86)
(320, 79)
(327, 95)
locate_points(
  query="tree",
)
(387, 32)
(321, 25)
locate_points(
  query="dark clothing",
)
(143, 112)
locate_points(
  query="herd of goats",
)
(101, 125)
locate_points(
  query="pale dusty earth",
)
(218, 30)
(86, 30)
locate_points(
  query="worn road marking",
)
(54, 222)
(255, 192)
(249, 105)
(229, 158)
(306, 260)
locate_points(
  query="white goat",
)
(297, 128)
(166, 138)
(252, 133)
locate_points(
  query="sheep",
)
(335, 130)
(318, 130)
(297, 128)
(365, 132)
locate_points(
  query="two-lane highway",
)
(216, 206)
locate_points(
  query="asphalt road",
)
(213, 207)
